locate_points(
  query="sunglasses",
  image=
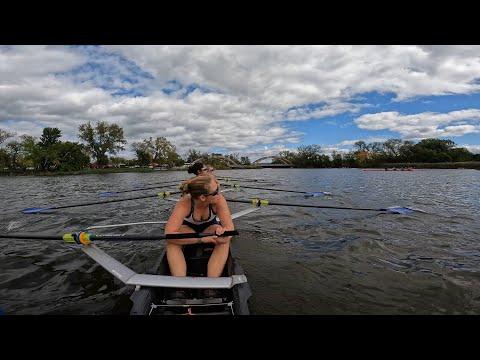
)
(214, 193)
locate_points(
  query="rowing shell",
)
(154, 292)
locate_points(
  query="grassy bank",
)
(79, 172)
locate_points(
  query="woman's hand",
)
(219, 230)
(217, 239)
(209, 239)
(222, 239)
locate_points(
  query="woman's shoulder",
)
(184, 202)
(222, 202)
(185, 199)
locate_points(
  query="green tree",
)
(117, 161)
(193, 155)
(163, 151)
(102, 139)
(14, 152)
(407, 151)
(337, 160)
(144, 157)
(32, 152)
(234, 157)
(437, 145)
(360, 146)
(288, 155)
(349, 159)
(309, 156)
(433, 150)
(69, 156)
(50, 137)
(4, 160)
(392, 148)
(4, 135)
(47, 157)
(244, 160)
(461, 154)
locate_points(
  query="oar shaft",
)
(30, 236)
(106, 202)
(272, 189)
(258, 203)
(114, 237)
(146, 188)
(158, 237)
(234, 179)
(100, 202)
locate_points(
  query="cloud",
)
(237, 98)
(367, 140)
(20, 64)
(286, 76)
(472, 148)
(423, 125)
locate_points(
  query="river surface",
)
(297, 260)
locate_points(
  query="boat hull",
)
(166, 301)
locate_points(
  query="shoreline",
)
(475, 165)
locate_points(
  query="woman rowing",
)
(199, 168)
(196, 211)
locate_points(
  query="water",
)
(298, 260)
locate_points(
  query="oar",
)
(264, 202)
(86, 238)
(36, 210)
(306, 193)
(227, 179)
(113, 193)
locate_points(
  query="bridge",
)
(284, 163)
(235, 164)
(232, 163)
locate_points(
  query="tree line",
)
(392, 151)
(102, 141)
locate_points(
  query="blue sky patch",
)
(337, 128)
(110, 72)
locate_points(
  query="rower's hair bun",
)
(195, 168)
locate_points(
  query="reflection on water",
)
(298, 260)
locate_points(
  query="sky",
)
(251, 100)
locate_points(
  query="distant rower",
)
(199, 168)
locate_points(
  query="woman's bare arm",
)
(223, 213)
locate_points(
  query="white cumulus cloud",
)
(423, 125)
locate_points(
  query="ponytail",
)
(199, 185)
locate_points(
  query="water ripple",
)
(298, 260)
